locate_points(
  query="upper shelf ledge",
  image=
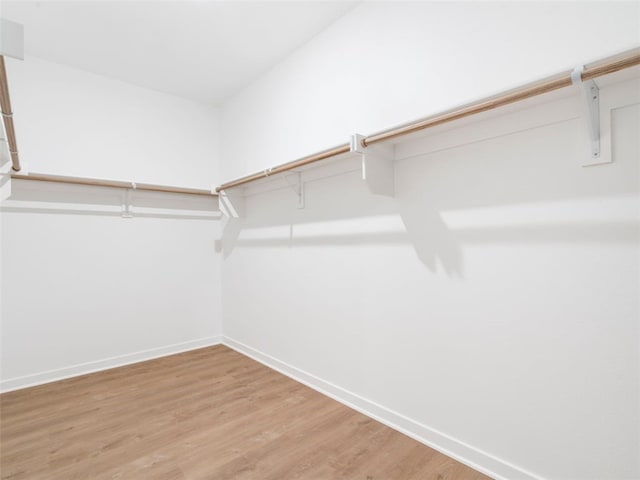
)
(605, 66)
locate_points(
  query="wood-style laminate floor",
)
(206, 414)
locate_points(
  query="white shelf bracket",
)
(591, 101)
(355, 143)
(231, 204)
(5, 183)
(127, 202)
(297, 185)
(377, 166)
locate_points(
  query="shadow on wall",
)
(524, 188)
(432, 239)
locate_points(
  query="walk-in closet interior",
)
(316, 240)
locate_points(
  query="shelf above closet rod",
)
(42, 177)
(630, 58)
(605, 66)
(316, 157)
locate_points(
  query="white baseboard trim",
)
(105, 364)
(464, 453)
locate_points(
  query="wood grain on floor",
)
(206, 414)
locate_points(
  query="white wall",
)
(386, 63)
(490, 309)
(494, 301)
(71, 122)
(83, 288)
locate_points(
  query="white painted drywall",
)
(386, 63)
(494, 301)
(491, 308)
(83, 288)
(71, 122)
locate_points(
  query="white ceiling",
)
(203, 50)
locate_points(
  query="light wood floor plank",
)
(208, 414)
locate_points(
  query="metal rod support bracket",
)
(297, 185)
(127, 202)
(591, 96)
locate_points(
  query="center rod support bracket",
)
(294, 181)
(591, 102)
(127, 202)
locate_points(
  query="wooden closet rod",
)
(630, 58)
(42, 177)
(7, 116)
